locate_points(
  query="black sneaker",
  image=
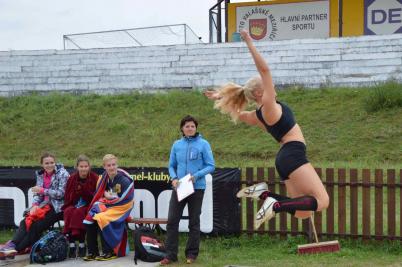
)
(82, 251)
(90, 257)
(72, 252)
(106, 257)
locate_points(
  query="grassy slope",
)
(140, 129)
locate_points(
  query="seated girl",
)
(46, 208)
(79, 193)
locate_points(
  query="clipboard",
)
(184, 188)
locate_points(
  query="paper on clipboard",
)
(185, 187)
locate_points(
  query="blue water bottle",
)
(236, 37)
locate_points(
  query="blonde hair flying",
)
(234, 98)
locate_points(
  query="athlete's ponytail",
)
(234, 98)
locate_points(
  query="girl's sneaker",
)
(253, 191)
(266, 212)
(8, 251)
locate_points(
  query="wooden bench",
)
(152, 223)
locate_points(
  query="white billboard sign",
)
(285, 21)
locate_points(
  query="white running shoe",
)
(7, 253)
(266, 212)
(253, 191)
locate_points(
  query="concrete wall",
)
(356, 61)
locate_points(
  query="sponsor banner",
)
(382, 17)
(220, 208)
(285, 21)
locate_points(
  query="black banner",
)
(220, 211)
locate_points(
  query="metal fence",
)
(147, 36)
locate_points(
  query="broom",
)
(318, 247)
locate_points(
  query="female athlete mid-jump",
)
(306, 191)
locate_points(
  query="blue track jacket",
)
(191, 155)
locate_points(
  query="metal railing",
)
(215, 21)
(145, 36)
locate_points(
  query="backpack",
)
(148, 247)
(51, 247)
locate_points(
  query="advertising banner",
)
(220, 208)
(382, 17)
(285, 20)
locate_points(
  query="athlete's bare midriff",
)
(295, 134)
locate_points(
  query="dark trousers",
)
(23, 238)
(92, 240)
(194, 202)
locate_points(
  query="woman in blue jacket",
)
(189, 155)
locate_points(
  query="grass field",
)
(339, 128)
(343, 127)
(262, 250)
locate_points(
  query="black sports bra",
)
(282, 126)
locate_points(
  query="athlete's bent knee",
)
(303, 214)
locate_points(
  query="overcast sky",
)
(40, 24)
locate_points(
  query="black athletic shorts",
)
(291, 156)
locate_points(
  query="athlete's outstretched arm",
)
(212, 94)
(262, 67)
